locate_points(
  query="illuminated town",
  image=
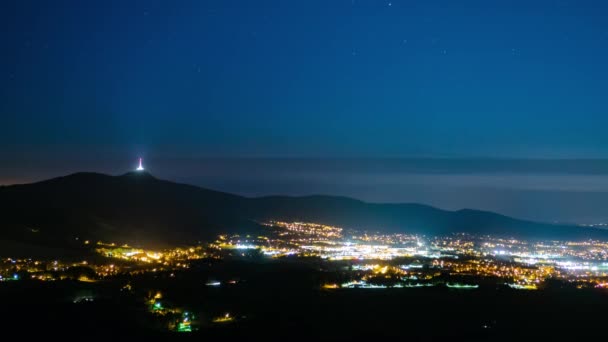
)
(343, 259)
(401, 259)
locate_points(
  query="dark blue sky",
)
(304, 78)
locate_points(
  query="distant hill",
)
(139, 208)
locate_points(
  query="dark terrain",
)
(281, 301)
(138, 208)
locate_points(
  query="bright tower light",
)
(140, 167)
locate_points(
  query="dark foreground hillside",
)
(279, 302)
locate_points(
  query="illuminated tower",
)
(140, 167)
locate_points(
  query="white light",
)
(140, 167)
(238, 246)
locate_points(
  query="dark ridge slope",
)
(139, 208)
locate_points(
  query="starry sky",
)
(87, 83)
(306, 78)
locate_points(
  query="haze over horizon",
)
(572, 191)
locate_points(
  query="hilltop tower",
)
(140, 167)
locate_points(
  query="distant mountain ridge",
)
(138, 208)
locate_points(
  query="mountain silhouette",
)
(140, 209)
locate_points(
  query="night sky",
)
(86, 83)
